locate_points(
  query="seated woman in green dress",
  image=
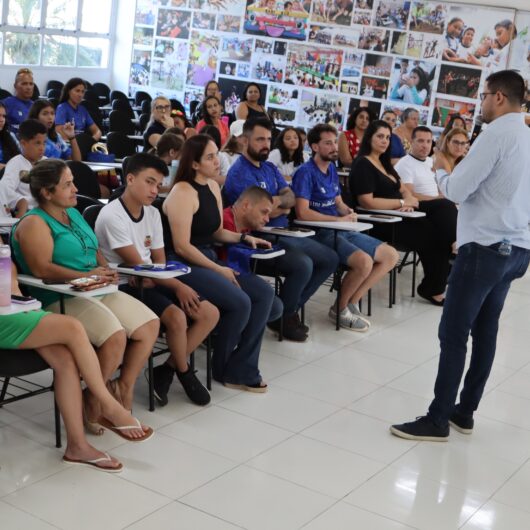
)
(63, 343)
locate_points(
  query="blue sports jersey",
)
(57, 149)
(320, 189)
(396, 147)
(244, 174)
(66, 113)
(16, 111)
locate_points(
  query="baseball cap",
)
(236, 129)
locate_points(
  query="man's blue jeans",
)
(477, 289)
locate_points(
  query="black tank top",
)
(206, 220)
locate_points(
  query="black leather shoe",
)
(430, 299)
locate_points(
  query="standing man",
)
(492, 185)
(18, 105)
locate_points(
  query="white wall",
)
(121, 55)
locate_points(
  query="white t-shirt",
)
(287, 169)
(418, 173)
(11, 189)
(115, 228)
(224, 163)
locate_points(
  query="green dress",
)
(15, 329)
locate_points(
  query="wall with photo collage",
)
(316, 60)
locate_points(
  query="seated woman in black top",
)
(375, 184)
(160, 121)
(245, 301)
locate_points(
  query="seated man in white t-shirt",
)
(416, 172)
(129, 230)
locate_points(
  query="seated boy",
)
(129, 230)
(318, 198)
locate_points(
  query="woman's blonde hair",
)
(444, 147)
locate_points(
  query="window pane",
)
(22, 48)
(93, 52)
(58, 51)
(96, 16)
(61, 14)
(24, 13)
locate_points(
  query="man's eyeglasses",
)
(162, 107)
(484, 94)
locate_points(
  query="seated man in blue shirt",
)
(18, 105)
(306, 263)
(317, 189)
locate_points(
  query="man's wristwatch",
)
(243, 238)
(402, 202)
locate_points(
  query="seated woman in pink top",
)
(212, 116)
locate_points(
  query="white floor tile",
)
(86, 499)
(226, 433)
(178, 515)
(280, 407)
(516, 491)
(12, 518)
(496, 516)
(325, 385)
(360, 434)
(258, 501)
(316, 465)
(506, 408)
(168, 466)
(416, 500)
(343, 516)
(272, 365)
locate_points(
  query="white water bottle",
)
(5, 276)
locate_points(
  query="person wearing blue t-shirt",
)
(397, 150)
(318, 198)
(307, 263)
(42, 110)
(18, 105)
(71, 111)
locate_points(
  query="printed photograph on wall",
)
(232, 90)
(398, 44)
(428, 17)
(432, 47)
(313, 66)
(143, 36)
(399, 108)
(228, 7)
(444, 108)
(332, 11)
(283, 96)
(173, 23)
(228, 23)
(459, 81)
(282, 116)
(227, 68)
(348, 38)
(349, 87)
(374, 87)
(392, 13)
(168, 74)
(263, 45)
(192, 94)
(374, 39)
(414, 44)
(139, 73)
(364, 4)
(320, 34)
(203, 21)
(322, 108)
(145, 13)
(172, 3)
(202, 62)
(279, 48)
(520, 49)
(362, 18)
(355, 103)
(412, 81)
(379, 65)
(236, 49)
(268, 67)
(276, 18)
(479, 40)
(243, 70)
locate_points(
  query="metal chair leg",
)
(209, 362)
(57, 415)
(151, 383)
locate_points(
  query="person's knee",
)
(174, 320)
(361, 263)
(387, 256)
(208, 313)
(300, 266)
(147, 332)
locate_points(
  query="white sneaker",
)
(354, 310)
(347, 320)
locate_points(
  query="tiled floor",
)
(313, 453)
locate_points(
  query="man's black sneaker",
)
(462, 422)
(275, 325)
(299, 323)
(421, 429)
(162, 379)
(193, 387)
(291, 329)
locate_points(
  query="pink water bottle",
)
(5, 276)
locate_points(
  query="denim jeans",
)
(306, 265)
(477, 289)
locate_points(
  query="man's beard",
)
(258, 156)
(332, 157)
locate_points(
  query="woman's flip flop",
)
(119, 430)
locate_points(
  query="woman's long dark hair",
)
(352, 118)
(9, 146)
(36, 109)
(192, 151)
(450, 124)
(205, 116)
(247, 86)
(423, 83)
(366, 146)
(298, 155)
(71, 83)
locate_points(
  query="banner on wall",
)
(316, 60)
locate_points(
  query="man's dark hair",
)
(250, 125)
(314, 135)
(213, 132)
(510, 83)
(30, 128)
(141, 161)
(254, 194)
(420, 128)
